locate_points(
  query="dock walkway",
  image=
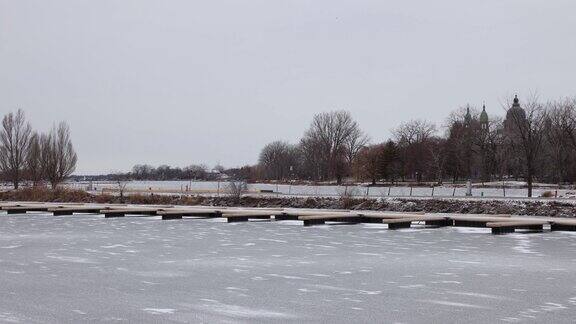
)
(498, 224)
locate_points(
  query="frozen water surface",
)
(75, 269)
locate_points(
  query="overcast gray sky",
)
(183, 82)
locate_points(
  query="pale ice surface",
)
(84, 268)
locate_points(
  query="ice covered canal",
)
(84, 268)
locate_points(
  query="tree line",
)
(28, 155)
(166, 172)
(535, 141)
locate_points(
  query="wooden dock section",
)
(110, 213)
(393, 220)
(62, 211)
(295, 214)
(406, 222)
(236, 216)
(25, 209)
(563, 225)
(6, 206)
(498, 224)
(179, 214)
(320, 219)
(476, 221)
(310, 217)
(511, 226)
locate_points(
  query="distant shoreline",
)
(426, 184)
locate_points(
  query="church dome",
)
(516, 112)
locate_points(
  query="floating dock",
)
(109, 213)
(498, 224)
(25, 209)
(511, 226)
(199, 213)
(60, 211)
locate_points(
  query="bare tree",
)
(355, 142)
(412, 138)
(59, 157)
(236, 190)
(276, 158)
(492, 148)
(143, 171)
(313, 162)
(196, 171)
(557, 151)
(438, 153)
(34, 168)
(414, 131)
(368, 162)
(569, 106)
(326, 139)
(14, 141)
(121, 181)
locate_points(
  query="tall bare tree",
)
(328, 134)
(569, 106)
(368, 161)
(438, 153)
(355, 142)
(276, 159)
(59, 157)
(412, 138)
(14, 141)
(34, 168)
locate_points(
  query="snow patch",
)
(159, 311)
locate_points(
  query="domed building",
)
(515, 115)
(514, 126)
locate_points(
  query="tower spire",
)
(484, 118)
(516, 101)
(467, 117)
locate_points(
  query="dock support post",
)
(502, 230)
(281, 217)
(114, 215)
(439, 223)
(394, 226)
(62, 213)
(311, 222)
(562, 227)
(237, 219)
(173, 216)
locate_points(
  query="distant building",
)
(514, 125)
(515, 116)
(484, 121)
(468, 117)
